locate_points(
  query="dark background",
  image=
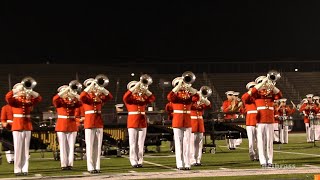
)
(151, 32)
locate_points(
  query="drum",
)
(315, 121)
(288, 121)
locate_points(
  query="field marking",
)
(156, 164)
(287, 152)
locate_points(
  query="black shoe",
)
(198, 164)
(69, 167)
(269, 165)
(98, 171)
(256, 159)
(180, 168)
(64, 168)
(264, 165)
(18, 174)
(139, 166)
(187, 168)
(11, 162)
(135, 166)
(92, 171)
(25, 174)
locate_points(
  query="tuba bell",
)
(28, 83)
(273, 76)
(102, 80)
(76, 86)
(188, 77)
(205, 91)
(145, 81)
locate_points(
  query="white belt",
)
(196, 117)
(181, 111)
(21, 115)
(9, 121)
(92, 112)
(66, 117)
(136, 112)
(252, 112)
(265, 107)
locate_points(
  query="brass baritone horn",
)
(188, 77)
(273, 75)
(102, 80)
(76, 86)
(205, 91)
(28, 82)
(145, 80)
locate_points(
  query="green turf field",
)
(296, 154)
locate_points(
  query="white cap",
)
(229, 92)
(131, 84)
(259, 79)
(316, 97)
(119, 105)
(309, 95)
(175, 81)
(283, 100)
(252, 83)
(61, 88)
(16, 85)
(236, 93)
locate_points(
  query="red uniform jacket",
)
(181, 105)
(228, 113)
(276, 114)
(285, 111)
(66, 111)
(250, 110)
(264, 105)
(307, 109)
(197, 122)
(92, 106)
(79, 115)
(169, 110)
(21, 110)
(136, 106)
(6, 114)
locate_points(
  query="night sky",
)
(62, 32)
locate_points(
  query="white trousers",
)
(252, 139)
(93, 138)
(284, 134)
(182, 146)
(317, 132)
(276, 132)
(9, 156)
(137, 137)
(196, 142)
(232, 143)
(309, 132)
(21, 142)
(265, 143)
(66, 145)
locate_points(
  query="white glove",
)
(276, 90)
(63, 92)
(178, 87)
(192, 90)
(34, 94)
(136, 86)
(148, 93)
(89, 88)
(263, 82)
(104, 91)
(18, 89)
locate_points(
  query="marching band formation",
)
(265, 111)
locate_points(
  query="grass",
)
(223, 158)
